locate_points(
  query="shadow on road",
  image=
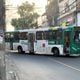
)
(46, 55)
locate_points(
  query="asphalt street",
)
(46, 67)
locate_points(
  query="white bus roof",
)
(43, 29)
(27, 30)
(34, 30)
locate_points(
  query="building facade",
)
(69, 12)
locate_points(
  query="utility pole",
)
(2, 23)
(2, 42)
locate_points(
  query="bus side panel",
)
(24, 44)
(15, 45)
(41, 47)
(38, 46)
(60, 47)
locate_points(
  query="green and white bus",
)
(51, 40)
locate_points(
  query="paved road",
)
(40, 67)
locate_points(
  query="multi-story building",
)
(69, 12)
(52, 11)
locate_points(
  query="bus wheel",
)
(55, 51)
(20, 50)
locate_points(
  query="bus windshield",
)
(77, 36)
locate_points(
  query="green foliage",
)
(28, 17)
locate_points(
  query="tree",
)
(28, 16)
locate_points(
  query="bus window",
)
(7, 37)
(15, 36)
(39, 35)
(46, 35)
(77, 36)
(23, 35)
(59, 35)
(52, 35)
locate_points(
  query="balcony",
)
(75, 6)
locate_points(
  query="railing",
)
(75, 4)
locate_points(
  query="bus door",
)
(40, 42)
(67, 41)
(31, 39)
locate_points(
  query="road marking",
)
(64, 64)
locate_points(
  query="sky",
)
(14, 3)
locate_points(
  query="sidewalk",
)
(11, 69)
(8, 70)
(2, 66)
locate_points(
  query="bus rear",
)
(10, 39)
